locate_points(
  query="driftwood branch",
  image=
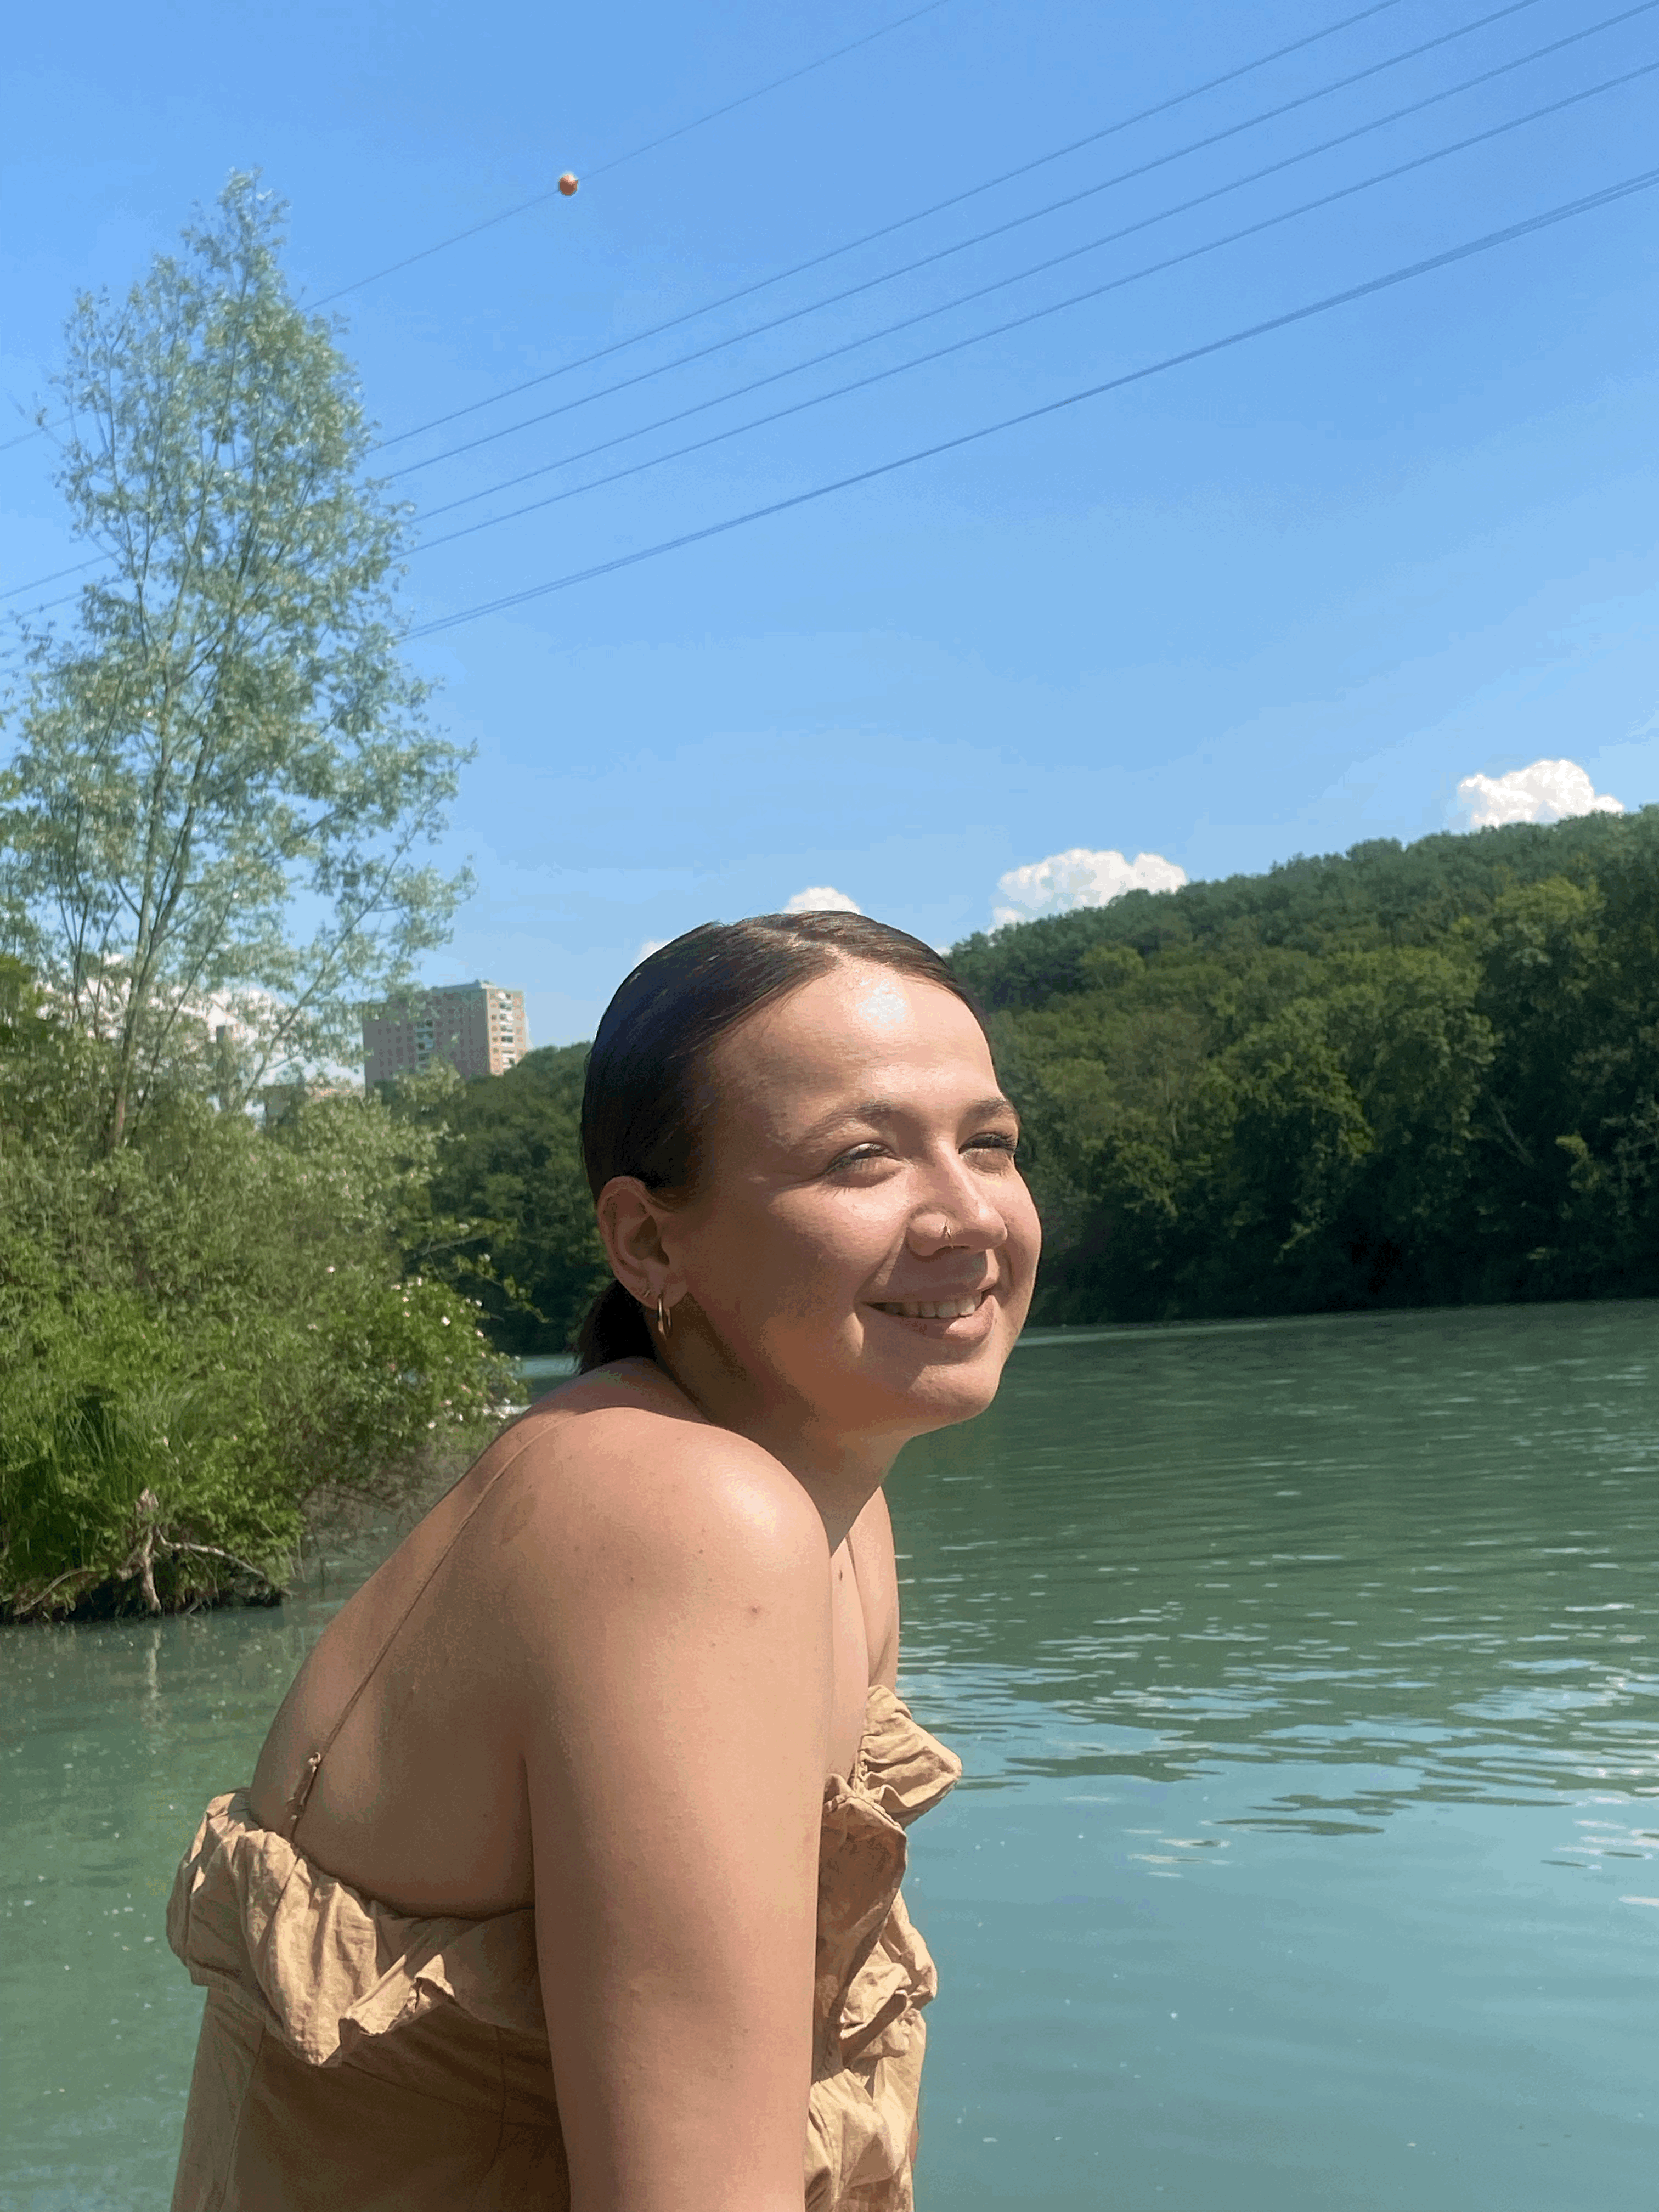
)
(216, 1551)
(153, 1540)
(141, 1561)
(22, 1605)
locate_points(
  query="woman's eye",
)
(998, 1141)
(861, 1155)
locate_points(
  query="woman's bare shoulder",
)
(618, 1472)
(641, 1572)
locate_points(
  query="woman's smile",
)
(968, 1306)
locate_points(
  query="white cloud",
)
(822, 898)
(1549, 790)
(1065, 881)
(649, 945)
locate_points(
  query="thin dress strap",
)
(303, 1789)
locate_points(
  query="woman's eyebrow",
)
(871, 1110)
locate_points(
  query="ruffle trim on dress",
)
(873, 1973)
(326, 1967)
(906, 1770)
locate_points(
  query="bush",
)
(209, 1336)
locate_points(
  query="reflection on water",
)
(1305, 1679)
(1421, 1547)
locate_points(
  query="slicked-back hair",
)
(646, 1094)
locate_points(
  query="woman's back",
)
(417, 1696)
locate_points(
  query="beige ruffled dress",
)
(353, 2059)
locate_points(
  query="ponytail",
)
(613, 1327)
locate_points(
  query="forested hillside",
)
(1409, 1076)
(1416, 1075)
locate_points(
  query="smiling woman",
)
(604, 1776)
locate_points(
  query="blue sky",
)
(1275, 601)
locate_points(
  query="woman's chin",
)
(952, 1398)
(883, 1373)
(936, 1378)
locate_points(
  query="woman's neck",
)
(840, 1471)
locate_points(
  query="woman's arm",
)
(676, 1702)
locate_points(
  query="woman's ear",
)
(631, 1219)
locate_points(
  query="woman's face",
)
(860, 1242)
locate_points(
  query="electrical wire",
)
(1036, 269)
(1017, 223)
(603, 168)
(22, 437)
(831, 253)
(634, 154)
(24, 614)
(1643, 181)
(1645, 6)
(34, 584)
(1019, 322)
(904, 221)
(1123, 123)
(1093, 292)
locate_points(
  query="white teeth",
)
(937, 1310)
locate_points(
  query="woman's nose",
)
(958, 1218)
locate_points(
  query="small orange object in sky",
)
(568, 183)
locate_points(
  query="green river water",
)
(1308, 1857)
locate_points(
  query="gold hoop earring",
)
(664, 1317)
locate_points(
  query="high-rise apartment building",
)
(479, 1028)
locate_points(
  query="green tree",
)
(510, 1167)
(229, 739)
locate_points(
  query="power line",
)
(38, 430)
(1021, 322)
(999, 230)
(1643, 181)
(834, 252)
(1040, 268)
(650, 146)
(1411, 108)
(1017, 322)
(36, 582)
(903, 223)
(46, 606)
(1125, 122)
(603, 168)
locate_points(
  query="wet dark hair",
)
(643, 1102)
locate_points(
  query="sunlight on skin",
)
(881, 998)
